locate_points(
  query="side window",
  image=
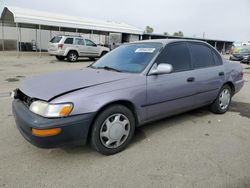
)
(217, 59)
(177, 55)
(68, 41)
(201, 55)
(89, 43)
(79, 41)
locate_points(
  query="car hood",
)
(47, 87)
(237, 55)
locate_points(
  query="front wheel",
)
(112, 130)
(103, 53)
(92, 58)
(223, 100)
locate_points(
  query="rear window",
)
(68, 41)
(55, 39)
(217, 59)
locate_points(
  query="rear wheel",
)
(72, 56)
(60, 58)
(112, 130)
(223, 100)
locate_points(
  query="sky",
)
(218, 19)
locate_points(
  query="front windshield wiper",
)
(111, 68)
(105, 68)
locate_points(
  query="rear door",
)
(92, 48)
(172, 93)
(81, 47)
(208, 72)
(68, 43)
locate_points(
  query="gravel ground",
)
(194, 149)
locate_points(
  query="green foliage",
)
(178, 34)
(149, 29)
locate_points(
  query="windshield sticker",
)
(144, 50)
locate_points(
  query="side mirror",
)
(162, 68)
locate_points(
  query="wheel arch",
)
(125, 103)
(103, 52)
(71, 50)
(231, 85)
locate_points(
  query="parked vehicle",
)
(134, 84)
(72, 47)
(246, 59)
(241, 55)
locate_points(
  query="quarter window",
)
(68, 41)
(201, 55)
(55, 39)
(217, 59)
(177, 55)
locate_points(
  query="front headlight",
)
(51, 110)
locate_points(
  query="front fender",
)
(90, 101)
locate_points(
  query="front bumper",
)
(74, 129)
(233, 58)
(245, 60)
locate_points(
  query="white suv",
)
(72, 47)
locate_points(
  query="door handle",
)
(221, 73)
(191, 79)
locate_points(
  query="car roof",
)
(167, 41)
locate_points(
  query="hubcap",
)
(114, 130)
(224, 98)
(73, 57)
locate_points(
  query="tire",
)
(112, 130)
(60, 58)
(103, 53)
(72, 56)
(92, 58)
(223, 100)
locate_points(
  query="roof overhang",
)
(28, 16)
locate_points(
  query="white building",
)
(26, 27)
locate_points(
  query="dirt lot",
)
(195, 149)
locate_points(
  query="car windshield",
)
(132, 58)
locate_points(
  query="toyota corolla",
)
(134, 84)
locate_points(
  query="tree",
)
(166, 33)
(149, 29)
(178, 34)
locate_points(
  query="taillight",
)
(60, 45)
(242, 73)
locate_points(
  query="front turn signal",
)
(46, 132)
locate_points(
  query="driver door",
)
(92, 48)
(172, 93)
